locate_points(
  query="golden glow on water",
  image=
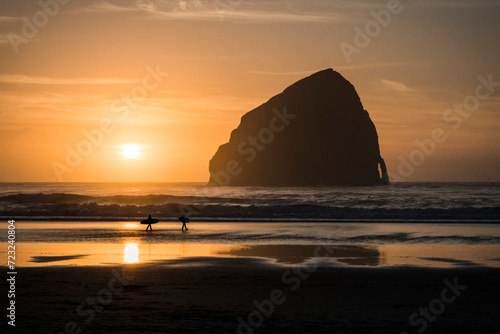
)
(438, 255)
(75, 243)
(131, 226)
(36, 254)
(131, 253)
(101, 254)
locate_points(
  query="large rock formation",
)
(315, 133)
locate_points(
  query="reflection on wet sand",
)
(131, 253)
(47, 259)
(295, 254)
(136, 251)
(99, 254)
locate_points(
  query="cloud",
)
(252, 16)
(34, 80)
(335, 68)
(396, 85)
(213, 10)
(282, 73)
(462, 4)
(104, 6)
(256, 16)
(376, 4)
(374, 65)
(8, 19)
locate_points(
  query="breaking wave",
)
(285, 206)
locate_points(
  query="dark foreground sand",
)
(210, 298)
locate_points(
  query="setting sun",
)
(131, 151)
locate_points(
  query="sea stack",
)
(315, 133)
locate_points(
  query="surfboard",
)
(149, 221)
(186, 219)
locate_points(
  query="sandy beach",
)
(244, 295)
(222, 278)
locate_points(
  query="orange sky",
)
(85, 58)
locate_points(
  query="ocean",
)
(428, 224)
(404, 202)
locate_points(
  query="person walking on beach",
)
(184, 220)
(149, 221)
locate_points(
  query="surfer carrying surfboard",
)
(184, 220)
(149, 221)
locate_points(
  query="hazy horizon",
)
(70, 69)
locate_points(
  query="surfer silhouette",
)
(149, 221)
(184, 220)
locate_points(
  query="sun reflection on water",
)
(131, 253)
(132, 225)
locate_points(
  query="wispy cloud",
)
(258, 16)
(335, 68)
(105, 6)
(374, 4)
(211, 10)
(396, 85)
(465, 4)
(8, 19)
(281, 73)
(374, 65)
(36, 80)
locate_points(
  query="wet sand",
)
(250, 295)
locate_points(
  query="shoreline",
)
(254, 220)
(88, 243)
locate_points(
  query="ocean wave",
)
(402, 202)
(55, 198)
(168, 207)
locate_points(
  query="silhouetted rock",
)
(314, 133)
